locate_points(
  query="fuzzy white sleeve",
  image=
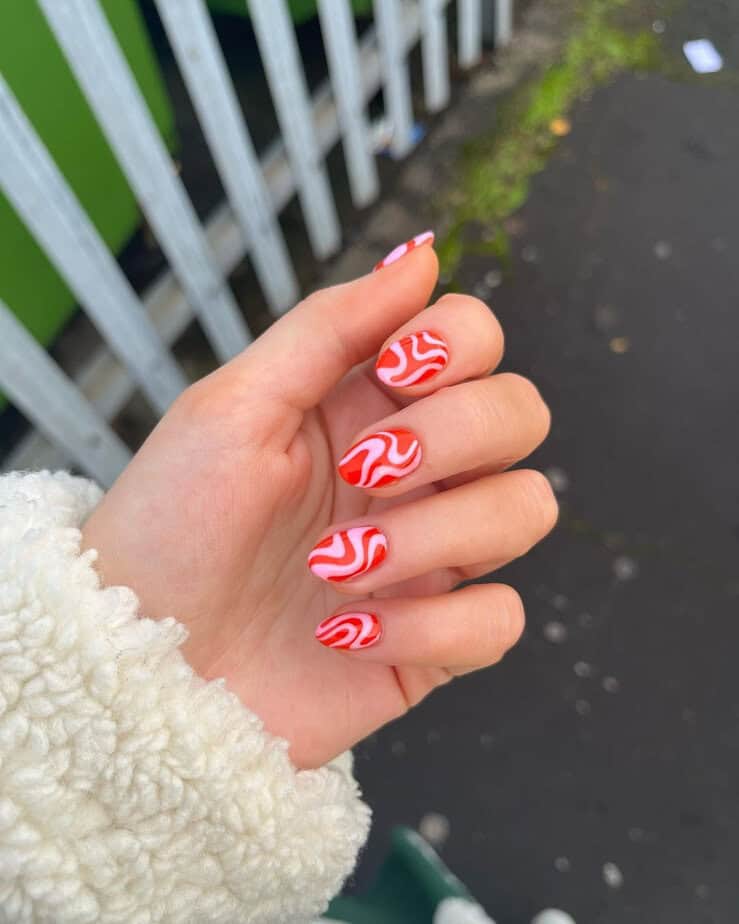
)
(131, 791)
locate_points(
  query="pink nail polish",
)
(426, 237)
(381, 459)
(348, 553)
(350, 631)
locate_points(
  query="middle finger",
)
(484, 425)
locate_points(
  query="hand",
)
(214, 519)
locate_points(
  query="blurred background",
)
(578, 161)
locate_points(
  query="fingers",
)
(495, 518)
(458, 338)
(468, 629)
(485, 425)
(304, 354)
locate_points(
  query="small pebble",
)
(434, 827)
(619, 345)
(493, 278)
(560, 127)
(663, 250)
(553, 916)
(487, 741)
(583, 669)
(612, 876)
(555, 632)
(562, 865)
(637, 835)
(530, 254)
(558, 479)
(702, 892)
(560, 602)
(658, 26)
(625, 568)
(611, 684)
(398, 748)
(583, 707)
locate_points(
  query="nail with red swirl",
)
(350, 631)
(381, 459)
(348, 553)
(412, 359)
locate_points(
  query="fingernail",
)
(350, 631)
(426, 237)
(412, 359)
(381, 459)
(348, 553)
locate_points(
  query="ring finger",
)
(495, 518)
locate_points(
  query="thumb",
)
(304, 354)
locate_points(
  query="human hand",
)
(214, 519)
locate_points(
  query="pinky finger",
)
(459, 631)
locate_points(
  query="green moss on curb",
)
(497, 168)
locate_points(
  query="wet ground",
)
(611, 735)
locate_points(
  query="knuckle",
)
(540, 502)
(529, 399)
(510, 617)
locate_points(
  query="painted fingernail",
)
(348, 553)
(412, 359)
(426, 237)
(350, 631)
(381, 459)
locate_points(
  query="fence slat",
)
(279, 50)
(470, 32)
(103, 380)
(38, 388)
(396, 83)
(503, 21)
(91, 49)
(340, 40)
(435, 54)
(195, 44)
(35, 187)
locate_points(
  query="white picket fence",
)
(71, 415)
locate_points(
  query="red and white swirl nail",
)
(426, 237)
(348, 553)
(350, 631)
(381, 459)
(412, 359)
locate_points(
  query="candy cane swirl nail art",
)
(348, 553)
(381, 459)
(412, 359)
(350, 631)
(427, 237)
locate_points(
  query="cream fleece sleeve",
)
(131, 791)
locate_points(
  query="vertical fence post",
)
(503, 21)
(39, 193)
(396, 82)
(200, 58)
(279, 49)
(340, 40)
(435, 54)
(470, 32)
(93, 53)
(38, 388)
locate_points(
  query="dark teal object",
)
(411, 883)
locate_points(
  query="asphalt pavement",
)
(596, 768)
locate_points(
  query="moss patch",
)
(497, 168)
